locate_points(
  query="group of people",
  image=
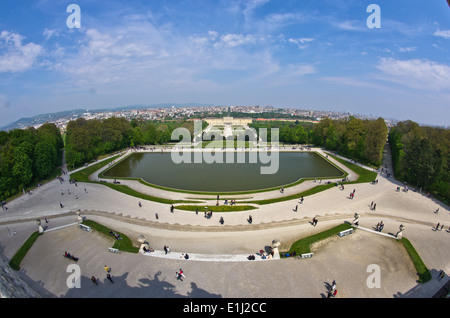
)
(332, 292)
(147, 250)
(379, 227)
(116, 236)
(69, 256)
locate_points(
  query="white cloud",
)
(49, 33)
(301, 42)
(442, 33)
(16, 57)
(417, 73)
(350, 25)
(232, 40)
(407, 49)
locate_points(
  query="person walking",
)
(180, 274)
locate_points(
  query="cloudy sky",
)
(287, 53)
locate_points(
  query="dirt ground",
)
(345, 260)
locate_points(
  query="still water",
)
(159, 169)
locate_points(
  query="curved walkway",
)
(206, 239)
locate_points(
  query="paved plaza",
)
(218, 266)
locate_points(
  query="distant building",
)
(228, 121)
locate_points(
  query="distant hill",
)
(75, 113)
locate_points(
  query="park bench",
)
(85, 227)
(346, 232)
(113, 250)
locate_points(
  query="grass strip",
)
(214, 208)
(83, 176)
(127, 190)
(422, 270)
(302, 246)
(125, 244)
(364, 174)
(311, 191)
(23, 250)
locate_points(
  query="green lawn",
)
(124, 245)
(422, 270)
(83, 175)
(302, 246)
(220, 208)
(23, 250)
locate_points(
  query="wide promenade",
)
(218, 266)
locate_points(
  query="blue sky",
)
(292, 53)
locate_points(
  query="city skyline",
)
(294, 54)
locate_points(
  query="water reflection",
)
(159, 169)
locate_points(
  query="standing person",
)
(156, 216)
(250, 219)
(107, 269)
(296, 208)
(333, 285)
(61, 205)
(371, 205)
(374, 206)
(437, 226)
(109, 278)
(140, 204)
(165, 249)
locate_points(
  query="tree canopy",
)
(27, 156)
(421, 157)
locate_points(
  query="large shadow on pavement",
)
(147, 287)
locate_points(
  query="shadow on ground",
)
(148, 287)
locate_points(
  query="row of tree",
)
(28, 156)
(87, 139)
(421, 157)
(358, 139)
(289, 132)
(361, 140)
